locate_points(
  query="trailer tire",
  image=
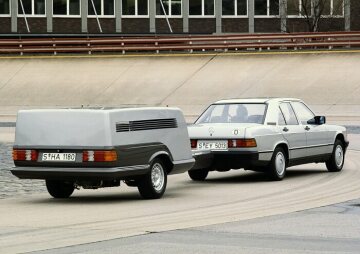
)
(153, 184)
(60, 189)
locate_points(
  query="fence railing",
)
(186, 43)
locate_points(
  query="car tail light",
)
(234, 143)
(193, 143)
(99, 156)
(25, 155)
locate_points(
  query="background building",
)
(185, 16)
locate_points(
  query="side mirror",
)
(317, 120)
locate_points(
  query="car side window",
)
(303, 113)
(281, 119)
(289, 114)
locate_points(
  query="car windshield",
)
(234, 113)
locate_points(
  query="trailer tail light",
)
(235, 143)
(99, 156)
(25, 155)
(193, 143)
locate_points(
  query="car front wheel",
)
(336, 161)
(60, 189)
(198, 174)
(153, 184)
(278, 164)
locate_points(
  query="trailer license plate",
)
(212, 145)
(59, 156)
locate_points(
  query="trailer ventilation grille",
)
(153, 124)
(122, 127)
(143, 125)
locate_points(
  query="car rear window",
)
(234, 113)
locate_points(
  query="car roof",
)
(255, 100)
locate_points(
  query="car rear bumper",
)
(60, 173)
(224, 160)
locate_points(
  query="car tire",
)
(278, 165)
(337, 159)
(153, 184)
(198, 175)
(60, 189)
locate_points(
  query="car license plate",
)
(58, 156)
(212, 145)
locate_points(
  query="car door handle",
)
(285, 129)
(307, 128)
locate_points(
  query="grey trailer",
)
(94, 148)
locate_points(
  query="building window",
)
(66, 7)
(266, 7)
(32, 7)
(234, 7)
(293, 7)
(333, 8)
(299, 8)
(135, 7)
(103, 7)
(304, 8)
(172, 8)
(4, 7)
(201, 8)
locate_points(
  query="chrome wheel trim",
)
(339, 156)
(157, 177)
(280, 163)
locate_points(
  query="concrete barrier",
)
(328, 82)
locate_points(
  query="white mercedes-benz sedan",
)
(265, 135)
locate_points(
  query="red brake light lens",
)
(193, 143)
(25, 155)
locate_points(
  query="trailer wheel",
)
(153, 184)
(60, 189)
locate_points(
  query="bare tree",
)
(313, 11)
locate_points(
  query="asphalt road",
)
(38, 222)
(329, 229)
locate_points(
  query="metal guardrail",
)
(181, 43)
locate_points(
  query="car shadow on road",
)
(256, 177)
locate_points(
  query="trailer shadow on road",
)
(183, 189)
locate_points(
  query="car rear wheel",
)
(278, 165)
(198, 174)
(153, 184)
(336, 161)
(60, 189)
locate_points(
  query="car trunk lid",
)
(219, 130)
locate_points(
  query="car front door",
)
(317, 136)
(292, 131)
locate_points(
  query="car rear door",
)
(292, 131)
(317, 136)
